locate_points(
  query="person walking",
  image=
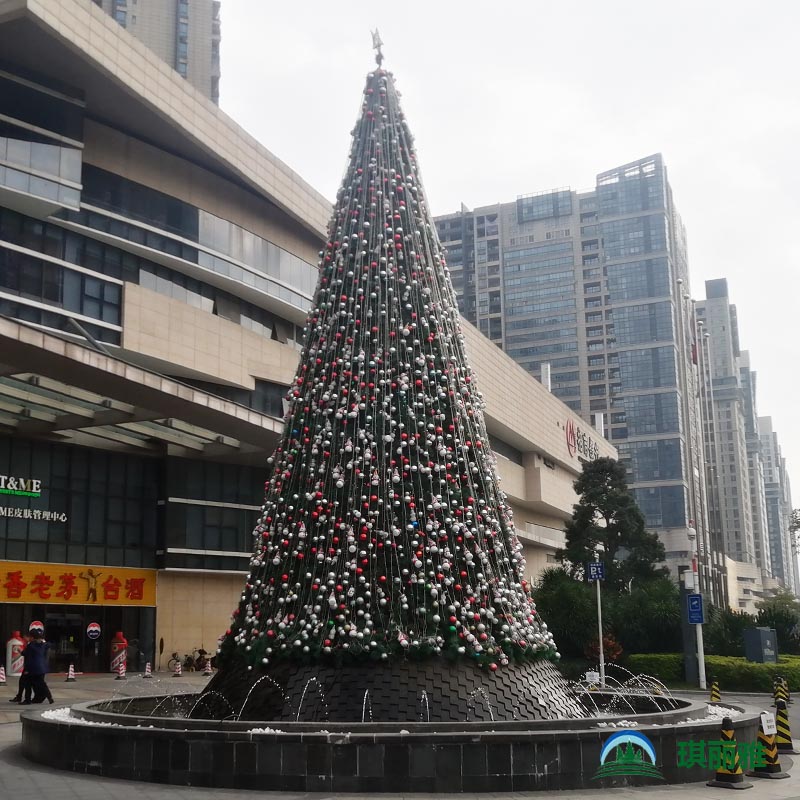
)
(35, 657)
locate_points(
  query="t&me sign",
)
(20, 487)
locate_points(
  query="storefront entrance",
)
(65, 628)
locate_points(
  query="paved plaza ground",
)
(21, 779)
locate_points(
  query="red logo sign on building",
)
(572, 441)
(579, 442)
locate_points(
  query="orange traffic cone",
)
(148, 672)
(178, 671)
(70, 674)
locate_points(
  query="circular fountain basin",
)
(97, 738)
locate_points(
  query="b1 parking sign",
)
(93, 630)
(597, 571)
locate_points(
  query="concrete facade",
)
(185, 35)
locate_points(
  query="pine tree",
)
(384, 532)
(607, 514)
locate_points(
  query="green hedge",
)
(667, 667)
(739, 675)
(734, 674)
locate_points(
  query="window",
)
(110, 501)
(543, 206)
(663, 506)
(650, 368)
(641, 324)
(653, 460)
(635, 236)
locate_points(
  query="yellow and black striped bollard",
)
(730, 778)
(789, 700)
(778, 692)
(715, 695)
(772, 767)
(783, 738)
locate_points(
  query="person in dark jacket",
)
(35, 658)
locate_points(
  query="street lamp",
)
(698, 628)
(600, 548)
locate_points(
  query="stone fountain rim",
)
(374, 731)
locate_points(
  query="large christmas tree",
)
(385, 546)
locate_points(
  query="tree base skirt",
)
(435, 690)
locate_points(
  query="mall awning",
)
(55, 389)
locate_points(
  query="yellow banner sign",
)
(78, 584)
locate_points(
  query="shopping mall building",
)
(156, 267)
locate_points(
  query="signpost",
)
(694, 605)
(597, 573)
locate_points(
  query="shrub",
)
(667, 667)
(611, 649)
(648, 618)
(724, 632)
(740, 675)
(782, 612)
(568, 608)
(734, 674)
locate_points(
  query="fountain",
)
(386, 581)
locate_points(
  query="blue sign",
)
(597, 571)
(694, 604)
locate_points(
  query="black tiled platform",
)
(498, 758)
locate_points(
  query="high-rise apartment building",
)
(183, 33)
(755, 467)
(595, 284)
(727, 396)
(734, 468)
(779, 506)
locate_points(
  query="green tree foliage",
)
(723, 634)
(569, 607)
(646, 619)
(782, 612)
(607, 514)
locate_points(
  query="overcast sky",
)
(509, 98)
